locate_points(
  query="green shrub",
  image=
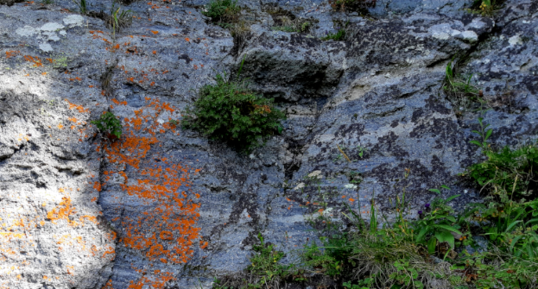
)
(108, 123)
(230, 112)
(222, 12)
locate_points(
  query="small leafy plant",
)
(437, 225)
(222, 12)
(265, 264)
(108, 123)
(485, 7)
(228, 111)
(485, 134)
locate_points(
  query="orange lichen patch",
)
(109, 251)
(155, 32)
(80, 108)
(172, 215)
(36, 60)
(60, 126)
(157, 282)
(12, 53)
(62, 211)
(166, 235)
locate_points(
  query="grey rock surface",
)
(166, 208)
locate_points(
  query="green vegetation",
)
(459, 89)
(360, 6)
(264, 271)
(222, 12)
(485, 7)
(338, 36)
(492, 244)
(110, 124)
(294, 26)
(228, 111)
(120, 18)
(81, 4)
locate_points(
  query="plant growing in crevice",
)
(120, 18)
(81, 4)
(485, 7)
(337, 36)
(360, 6)
(109, 125)
(459, 89)
(222, 12)
(229, 111)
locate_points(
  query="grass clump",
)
(82, 7)
(222, 12)
(459, 89)
(229, 112)
(119, 18)
(109, 124)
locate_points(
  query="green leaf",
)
(512, 225)
(488, 133)
(448, 228)
(432, 243)
(451, 198)
(476, 143)
(435, 191)
(445, 236)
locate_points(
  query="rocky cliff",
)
(165, 207)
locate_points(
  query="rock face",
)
(166, 208)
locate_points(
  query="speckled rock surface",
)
(166, 208)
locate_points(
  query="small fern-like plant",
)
(109, 124)
(228, 111)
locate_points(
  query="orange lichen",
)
(11, 53)
(167, 232)
(36, 61)
(62, 211)
(80, 108)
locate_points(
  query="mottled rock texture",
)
(167, 208)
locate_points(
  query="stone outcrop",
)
(167, 208)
